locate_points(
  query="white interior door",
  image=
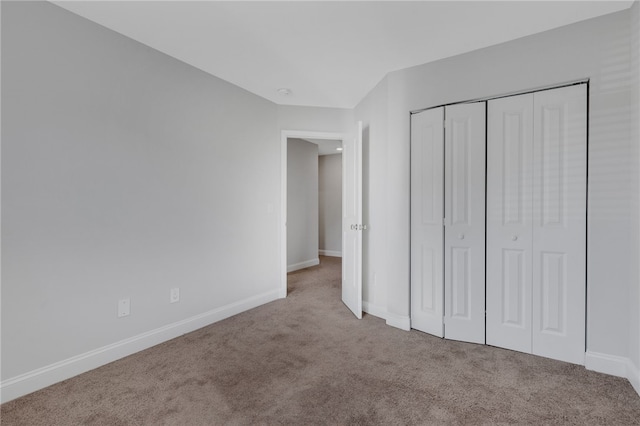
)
(509, 228)
(352, 226)
(559, 223)
(464, 212)
(427, 230)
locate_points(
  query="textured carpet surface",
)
(306, 360)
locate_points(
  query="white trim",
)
(284, 135)
(633, 375)
(614, 365)
(302, 265)
(332, 253)
(376, 311)
(283, 216)
(45, 376)
(605, 363)
(399, 321)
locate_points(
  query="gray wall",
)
(302, 204)
(315, 119)
(598, 49)
(124, 173)
(330, 204)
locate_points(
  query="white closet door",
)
(559, 223)
(464, 252)
(427, 231)
(509, 227)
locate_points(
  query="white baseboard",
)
(615, 366)
(633, 375)
(302, 265)
(374, 310)
(605, 363)
(399, 321)
(332, 253)
(42, 377)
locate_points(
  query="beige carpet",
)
(307, 360)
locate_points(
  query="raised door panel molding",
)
(461, 289)
(553, 293)
(429, 170)
(552, 164)
(514, 289)
(513, 151)
(428, 278)
(460, 173)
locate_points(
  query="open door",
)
(352, 226)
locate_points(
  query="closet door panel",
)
(559, 223)
(509, 220)
(427, 230)
(464, 260)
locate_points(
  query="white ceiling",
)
(329, 53)
(326, 146)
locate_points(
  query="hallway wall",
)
(302, 204)
(330, 204)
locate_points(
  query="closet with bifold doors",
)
(498, 222)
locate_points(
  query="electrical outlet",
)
(175, 295)
(124, 307)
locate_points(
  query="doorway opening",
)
(311, 194)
